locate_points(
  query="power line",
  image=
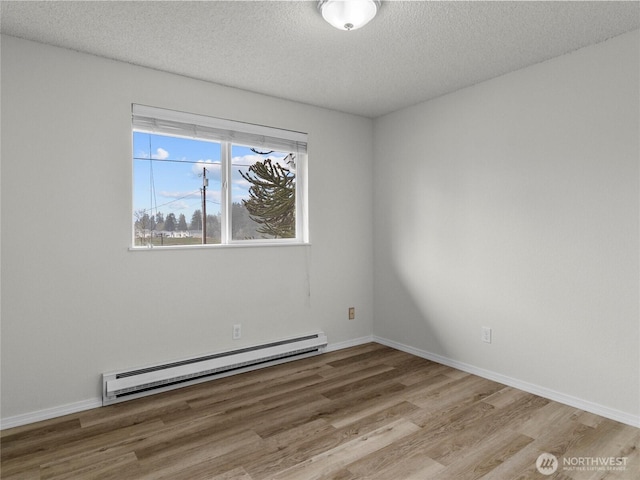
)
(172, 160)
(191, 162)
(172, 201)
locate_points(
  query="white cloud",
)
(275, 157)
(193, 194)
(180, 205)
(241, 183)
(278, 158)
(213, 168)
(161, 154)
(189, 200)
(246, 160)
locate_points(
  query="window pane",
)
(263, 194)
(175, 180)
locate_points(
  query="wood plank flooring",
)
(367, 412)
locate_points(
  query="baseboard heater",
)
(127, 385)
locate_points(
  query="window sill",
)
(218, 246)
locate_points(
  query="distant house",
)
(163, 233)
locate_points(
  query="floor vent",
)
(126, 385)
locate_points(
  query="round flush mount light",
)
(348, 14)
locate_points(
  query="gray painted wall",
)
(76, 302)
(513, 204)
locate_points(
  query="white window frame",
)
(161, 121)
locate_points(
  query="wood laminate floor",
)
(367, 412)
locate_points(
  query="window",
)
(200, 180)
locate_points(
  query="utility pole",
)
(205, 184)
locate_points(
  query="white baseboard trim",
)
(332, 347)
(613, 414)
(47, 413)
(560, 397)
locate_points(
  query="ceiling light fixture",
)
(348, 14)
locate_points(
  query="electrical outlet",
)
(237, 331)
(352, 313)
(486, 334)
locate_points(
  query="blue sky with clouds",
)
(172, 184)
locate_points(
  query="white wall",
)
(513, 204)
(76, 302)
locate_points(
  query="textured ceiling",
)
(412, 51)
